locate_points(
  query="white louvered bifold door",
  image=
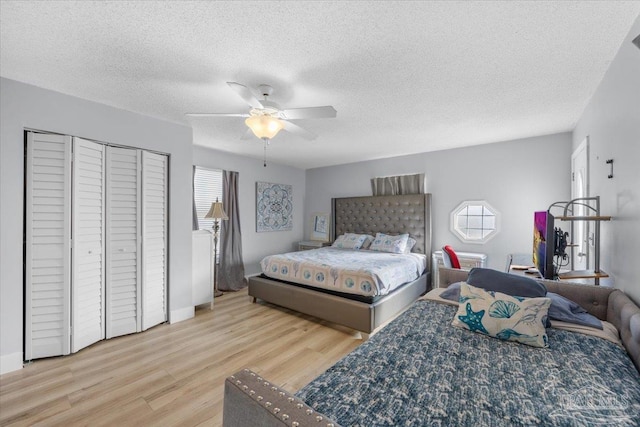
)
(87, 280)
(123, 309)
(48, 245)
(154, 238)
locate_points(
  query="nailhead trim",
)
(277, 410)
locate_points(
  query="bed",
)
(419, 370)
(362, 215)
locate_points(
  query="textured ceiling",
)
(405, 77)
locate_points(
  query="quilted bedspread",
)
(351, 271)
(421, 371)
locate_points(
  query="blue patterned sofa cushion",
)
(502, 316)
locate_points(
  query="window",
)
(207, 186)
(474, 221)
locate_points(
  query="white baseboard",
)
(181, 314)
(10, 362)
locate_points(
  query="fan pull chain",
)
(266, 141)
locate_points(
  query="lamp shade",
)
(216, 211)
(264, 126)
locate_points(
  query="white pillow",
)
(349, 241)
(368, 241)
(386, 243)
(411, 242)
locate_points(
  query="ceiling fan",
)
(266, 118)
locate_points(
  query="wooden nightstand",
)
(311, 244)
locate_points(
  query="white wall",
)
(515, 177)
(256, 246)
(24, 106)
(612, 122)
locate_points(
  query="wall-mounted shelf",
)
(582, 274)
(574, 210)
(584, 218)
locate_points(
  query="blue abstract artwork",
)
(274, 207)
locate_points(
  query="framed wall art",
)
(320, 227)
(274, 207)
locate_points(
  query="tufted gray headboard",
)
(410, 213)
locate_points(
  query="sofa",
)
(251, 400)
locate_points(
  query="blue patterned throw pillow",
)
(503, 316)
(386, 243)
(350, 241)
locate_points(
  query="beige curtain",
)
(401, 184)
(231, 267)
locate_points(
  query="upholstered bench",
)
(252, 401)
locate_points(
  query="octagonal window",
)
(474, 221)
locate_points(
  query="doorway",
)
(580, 251)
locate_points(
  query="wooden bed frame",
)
(364, 215)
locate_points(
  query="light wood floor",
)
(173, 374)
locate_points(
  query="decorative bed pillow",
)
(452, 293)
(561, 308)
(349, 241)
(411, 242)
(386, 243)
(510, 284)
(368, 241)
(503, 316)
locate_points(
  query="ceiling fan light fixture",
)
(264, 126)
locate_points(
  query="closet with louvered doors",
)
(95, 243)
(123, 241)
(154, 237)
(47, 296)
(88, 239)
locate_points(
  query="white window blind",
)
(207, 186)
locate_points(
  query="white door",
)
(580, 188)
(154, 239)
(123, 310)
(87, 280)
(48, 245)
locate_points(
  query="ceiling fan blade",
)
(297, 130)
(217, 114)
(246, 94)
(309, 113)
